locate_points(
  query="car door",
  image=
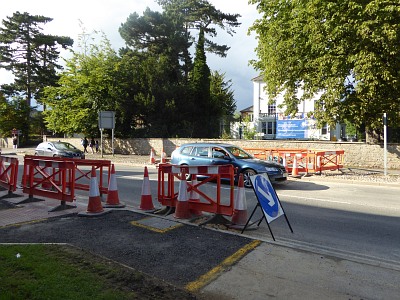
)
(219, 156)
(200, 156)
(48, 149)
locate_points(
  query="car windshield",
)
(64, 146)
(238, 152)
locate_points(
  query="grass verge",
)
(62, 272)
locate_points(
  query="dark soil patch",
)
(6, 205)
(121, 277)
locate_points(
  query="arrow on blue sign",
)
(267, 197)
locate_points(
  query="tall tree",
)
(13, 115)
(193, 15)
(345, 51)
(201, 16)
(222, 103)
(201, 97)
(88, 85)
(29, 54)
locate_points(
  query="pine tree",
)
(30, 55)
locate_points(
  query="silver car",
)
(59, 149)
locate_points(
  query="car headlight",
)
(271, 169)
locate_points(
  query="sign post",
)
(268, 201)
(385, 144)
(107, 121)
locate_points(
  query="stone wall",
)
(356, 154)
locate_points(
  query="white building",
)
(269, 120)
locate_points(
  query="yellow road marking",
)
(211, 275)
(155, 229)
(24, 223)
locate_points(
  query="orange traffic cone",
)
(47, 184)
(152, 156)
(146, 201)
(112, 195)
(163, 157)
(94, 206)
(194, 197)
(182, 203)
(239, 218)
(295, 170)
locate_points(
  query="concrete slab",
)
(157, 224)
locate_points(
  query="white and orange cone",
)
(95, 208)
(152, 156)
(163, 157)
(182, 202)
(194, 197)
(112, 195)
(146, 200)
(239, 218)
(295, 170)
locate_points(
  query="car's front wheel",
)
(246, 177)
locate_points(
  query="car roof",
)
(208, 144)
(51, 142)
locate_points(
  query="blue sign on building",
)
(292, 129)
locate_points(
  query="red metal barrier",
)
(328, 160)
(209, 203)
(287, 158)
(313, 161)
(271, 153)
(9, 174)
(82, 177)
(36, 176)
(308, 161)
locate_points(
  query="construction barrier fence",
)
(8, 173)
(83, 168)
(211, 203)
(57, 184)
(307, 160)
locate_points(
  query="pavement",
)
(251, 269)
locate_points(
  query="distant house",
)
(270, 122)
(247, 113)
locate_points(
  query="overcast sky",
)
(107, 16)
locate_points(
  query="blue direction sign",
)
(266, 196)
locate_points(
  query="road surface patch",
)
(156, 224)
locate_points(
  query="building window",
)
(264, 127)
(268, 127)
(272, 109)
(324, 129)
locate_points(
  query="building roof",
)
(248, 109)
(258, 78)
